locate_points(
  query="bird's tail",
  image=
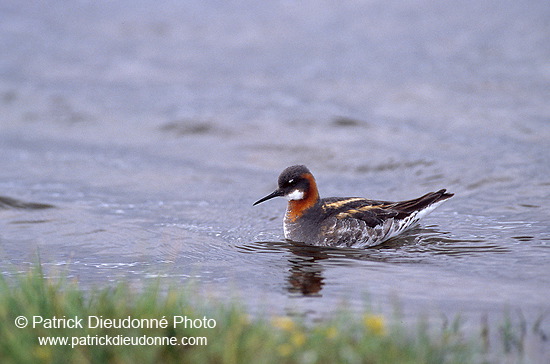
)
(422, 202)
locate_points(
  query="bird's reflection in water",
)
(306, 274)
(307, 264)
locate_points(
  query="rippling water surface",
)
(135, 138)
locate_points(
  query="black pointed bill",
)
(275, 193)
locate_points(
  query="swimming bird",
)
(344, 221)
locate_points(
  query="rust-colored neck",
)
(296, 208)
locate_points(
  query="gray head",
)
(295, 183)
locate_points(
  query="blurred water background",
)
(152, 127)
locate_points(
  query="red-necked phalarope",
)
(345, 221)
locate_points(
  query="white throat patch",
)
(295, 195)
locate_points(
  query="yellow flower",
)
(375, 324)
(298, 339)
(331, 332)
(284, 349)
(43, 353)
(284, 323)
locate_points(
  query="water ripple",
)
(8, 202)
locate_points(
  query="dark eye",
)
(289, 183)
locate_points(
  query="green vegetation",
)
(231, 335)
